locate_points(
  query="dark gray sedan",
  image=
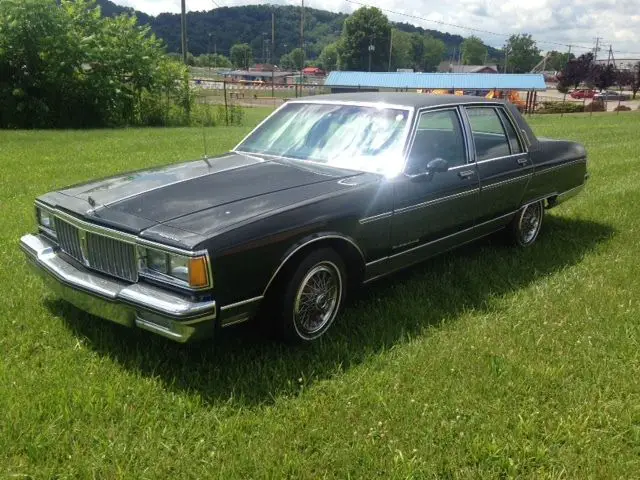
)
(328, 193)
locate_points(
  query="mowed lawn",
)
(487, 362)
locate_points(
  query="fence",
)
(231, 95)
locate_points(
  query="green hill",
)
(219, 29)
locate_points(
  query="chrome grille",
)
(69, 239)
(105, 254)
(112, 256)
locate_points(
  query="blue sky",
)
(577, 22)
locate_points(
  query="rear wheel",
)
(525, 227)
(313, 295)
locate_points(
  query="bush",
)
(622, 108)
(559, 107)
(62, 65)
(595, 106)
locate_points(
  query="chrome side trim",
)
(514, 155)
(235, 320)
(436, 201)
(243, 302)
(505, 182)
(375, 218)
(541, 168)
(446, 237)
(307, 243)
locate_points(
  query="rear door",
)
(503, 163)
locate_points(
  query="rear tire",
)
(526, 225)
(312, 296)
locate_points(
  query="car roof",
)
(407, 100)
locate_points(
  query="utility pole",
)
(506, 58)
(597, 49)
(273, 53)
(564, 95)
(391, 48)
(184, 31)
(302, 40)
(372, 48)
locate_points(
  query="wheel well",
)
(353, 261)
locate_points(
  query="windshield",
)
(361, 138)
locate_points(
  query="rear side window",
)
(514, 143)
(489, 136)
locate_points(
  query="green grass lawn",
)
(485, 362)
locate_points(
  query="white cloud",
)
(562, 21)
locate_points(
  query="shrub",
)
(595, 106)
(559, 107)
(63, 65)
(622, 108)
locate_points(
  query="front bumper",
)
(165, 313)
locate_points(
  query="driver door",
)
(437, 197)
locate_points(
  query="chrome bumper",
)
(151, 308)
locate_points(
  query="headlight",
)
(173, 268)
(46, 220)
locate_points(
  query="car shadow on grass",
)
(244, 365)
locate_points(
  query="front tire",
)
(525, 227)
(313, 296)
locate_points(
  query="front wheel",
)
(525, 227)
(313, 296)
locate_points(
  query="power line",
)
(474, 29)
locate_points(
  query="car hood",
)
(196, 190)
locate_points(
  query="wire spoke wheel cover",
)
(530, 222)
(317, 299)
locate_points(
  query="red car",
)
(585, 93)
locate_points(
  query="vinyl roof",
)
(462, 81)
(409, 100)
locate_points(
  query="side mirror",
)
(437, 165)
(426, 173)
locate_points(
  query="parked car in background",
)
(611, 95)
(327, 193)
(582, 93)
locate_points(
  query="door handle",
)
(466, 174)
(522, 161)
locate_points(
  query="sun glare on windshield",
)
(353, 137)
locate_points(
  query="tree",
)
(635, 85)
(523, 53)
(286, 62)
(365, 35)
(576, 71)
(601, 76)
(64, 65)
(401, 50)
(473, 51)
(242, 55)
(434, 51)
(556, 61)
(297, 58)
(328, 59)
(214, 60)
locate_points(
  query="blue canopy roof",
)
(460, 81)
